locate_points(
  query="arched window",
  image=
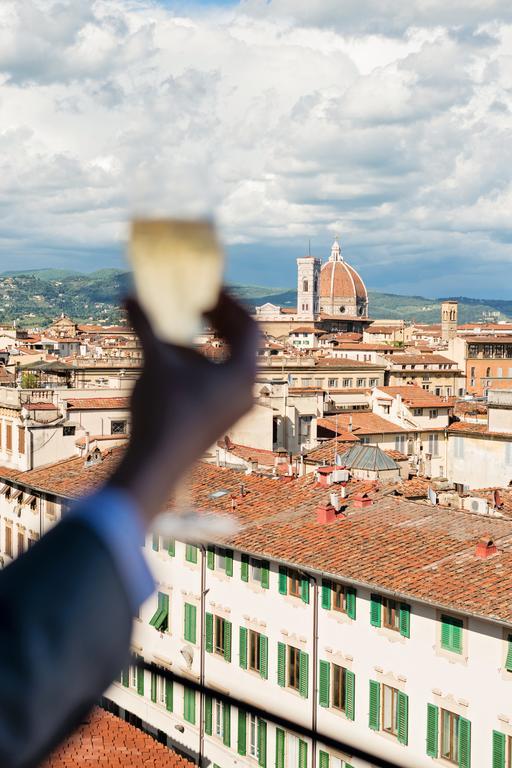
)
(488, 373)
(305, 285)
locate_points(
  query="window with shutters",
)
(8, 436)
(451, 633)
(294, 583)
(293, 668)
(254, 646)
(253, 736)
(21, 543)
(339, 599)
(391, 614)
(450, 736)
(191, 553)
(161, 691)
(189, 622)
(8, 540)
(219, 635)
(218, 719)
(390, 710)
(160, 618)
(256, 571)
(133, 676)
(508, 653)
(21, 440)
(339, 687)
(293, 676)
(501, 750)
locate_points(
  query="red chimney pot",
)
(485, 547)
(325, 513)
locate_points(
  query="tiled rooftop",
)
(363, 423)
(97, 403)
(416, 396)
(105, 741)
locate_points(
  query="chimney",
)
(325, 513)
(361, 500)
(485, 547)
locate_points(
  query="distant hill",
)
(34, 297)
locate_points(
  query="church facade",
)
(330, 296)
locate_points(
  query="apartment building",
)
(383, 626)
(433, 373)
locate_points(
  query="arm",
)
(67, 604)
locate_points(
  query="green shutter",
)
(140, 681)
(191, 553)
(208, 715)
(457, 635)
(265, 573)
(303, 754)
(498, 749)
(432, 730)
(326, 595)
(171, 547)
(243, 648)
(153, 687)
(229, 563)
(210, 558)
(374, 714)
(189, 705)
(209, 632)
(227, 640)
(162, 619)
(451, 633)
(350, 695)
(262, 743)
(242, 732)
(375, 610)
(304, 590)
(350, 596)
(155, 542)
(445, 633)
(226, 721)
(169, 695)
(190, 623)
(156, 616)
(403, 717)
(405, 620)
(283, 581)
(125, 677)
(464, 743)
(324, 759)
(244, 567)
(280, 744)
(264, 657)
(281, 664)
(303, 674)
(508, 662)
(324, 697)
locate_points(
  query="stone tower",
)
(308, 276)
(449, 318)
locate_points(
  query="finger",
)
(142, 327)
(237, 327)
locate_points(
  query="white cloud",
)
(389, 125)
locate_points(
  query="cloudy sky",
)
(385, 122)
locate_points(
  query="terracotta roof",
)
(338, 280)
(470, 428)
(415, 488)
(305, 329)
(105, 741)
(376, 329)
(427, 359)
(364, 346)
(264, 457)
(98, 403)
(363, 423)
(396, 455)
(327, 450)
(305, 390)
(416, 396)
(478, 339)
(42, 406)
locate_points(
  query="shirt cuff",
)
(115, 518)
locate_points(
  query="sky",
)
(387, 124)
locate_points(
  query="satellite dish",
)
(188, 654)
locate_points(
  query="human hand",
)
(183, 402)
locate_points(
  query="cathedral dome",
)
(341, 289)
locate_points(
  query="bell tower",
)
(449, 317)
(308, 278)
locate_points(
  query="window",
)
(432, 414)
(21, 440)
(305, 427)
(347, 382)
(118, 427)
(450, 736)
(306, 382)
(160, 618)
(458, 447)
(191, 553)
(386, 408)
(389, 710)
(252, 737)
(418, 411)
(162, 691)
(339, 687)
(361, 382)
(339, 598)
(400, 443)
(391, 614)
(292, 668)
(451, 633)
(8, 540)
(332, 382)
(256, 571)
(395, 616)
(189, 623)
(8, 436)
(218, 719)
(501, 750)
(220, 559)
(68, 431)
(291, 582)
(21, 543)
(155, 542)
(218, 636)
(433, 445)
(336, 688)
(254, 651)
(374, 382)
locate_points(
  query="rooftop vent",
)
(485, 547)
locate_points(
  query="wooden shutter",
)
(242, 732)
(226, 721)
(375, 610)
(140, 681)
(374, 715)
(432, 730)
(8, 436)
(190, 623)
(304, 590)
(171, 547)
(262, 744)
(265, 573)
(208, 715)
(281, 664)
(350, 596)
(303, 674)
(21, 440)
(508, 661)
(264, 657)
(210, 558)
(280, 744)
(464, 743)
(303, 754)
(169, 695)
(324, 684)
(350, 694)
(153, 687)
(244, 567)
(499, 745)
(326, 595)
(229, 563)
(209, 632)
(405, 620)
(403, 717)
(283, 581)
(323, 759)
(243, 648)
(227, 640)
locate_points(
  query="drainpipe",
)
(202, 655)
(314, 712)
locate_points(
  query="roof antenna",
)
(309, 247)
